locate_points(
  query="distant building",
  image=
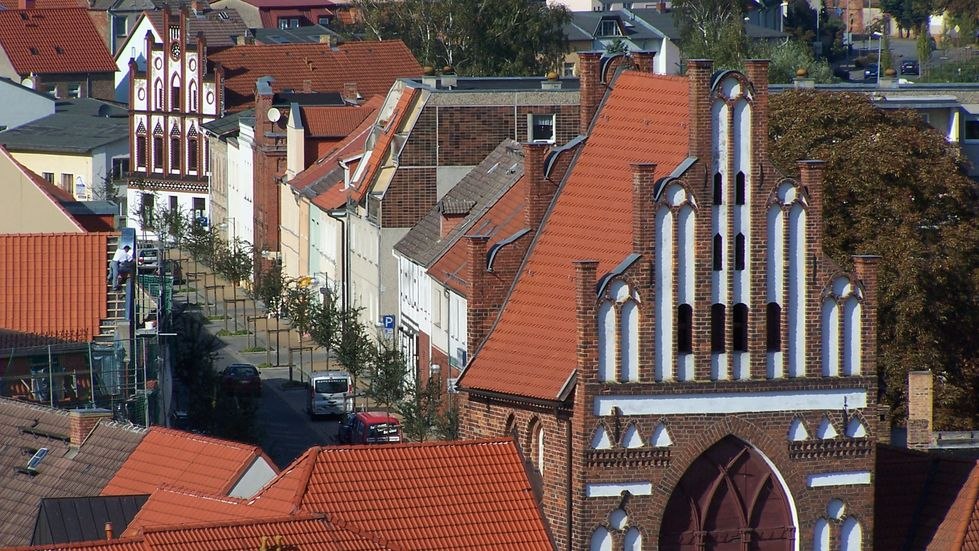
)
(287, 14)
(20, 104)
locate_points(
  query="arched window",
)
(141, 149)
(192, 96)
(739, 328)
(717, 328)
(192, 153)
(535, 444)
(175, 153)
(718, 188)
(820, 536)
(175, 93)
(739, 251)
(773, 327)
(718, 252)
(739, 191)
(851, 535)
(601, 540)
(684, 329)
(633, 540)
(158, 94)
(158, 152)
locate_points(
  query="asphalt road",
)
(285, 430)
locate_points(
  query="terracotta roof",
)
(373, 66)
(53, 41)
(54, 284)
(61, 474)
(219, 27)
(925, 501)
(308, 532)
(466, 494)
(193, 461)
(329, 121)
(480, 197)
(45, 4)
(272, 4)
(531, 351)
(325, 172)
(173, 506)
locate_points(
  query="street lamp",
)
(880, 51)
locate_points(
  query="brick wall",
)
(409, 197)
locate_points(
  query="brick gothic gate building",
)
(681, 364)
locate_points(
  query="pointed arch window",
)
(158, 152)
(717, 328)
(175, 153)
(739, 190)
(718, 253)
(718, 188)
(684, 329)
(175, 93)
(158, 94)
(773, 327)
(141, 149)
(739, 328)
(739, 251)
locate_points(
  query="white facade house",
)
(20, 104)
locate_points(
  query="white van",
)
(330, 393)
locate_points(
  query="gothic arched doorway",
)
(728, 500)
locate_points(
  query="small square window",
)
(971, 130)
(567, 70)
(542, 128)
(75, 90)
(67, 182)
(49, 176)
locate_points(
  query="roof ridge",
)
(470, 442)
(206, 439)
(306, 476)
(297, 517)
(181, 490)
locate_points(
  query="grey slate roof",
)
(219, 27)
(635, 29)
(67, 471)
(228, 124)
(309, 33)
(75, 519)
(77, 126)
(479, 190)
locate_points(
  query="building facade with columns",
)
(682, 365)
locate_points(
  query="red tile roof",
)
(45, 4)
(53, 41)
(373, 66)
(502, 220)
(53, 284)
(531, 351)
(352, 144)
(469, 494)
(329, 121)
(173, 506)
(193, 461)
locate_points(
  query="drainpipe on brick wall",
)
(569, 457)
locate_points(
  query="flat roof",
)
(491, 84)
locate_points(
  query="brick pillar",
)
(643, 208)
(865, 267)
(811, 178)
(699, 73)
(586, 303)
(539, 191)
(591, 88)
(920, 396)
(81, 423)
(757, 72)
(644, 61)
(478, 299)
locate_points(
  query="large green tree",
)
(475, 37)
(895, 187)
(712, 29)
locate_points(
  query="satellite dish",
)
(28, 82)
(273, 115)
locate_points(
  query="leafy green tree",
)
(476, 37)
(390, 372)
(786, 58)
(235, 263)
(194, 353)
(419, 409)
(895, 187)
(301, 306)
(712, 29)
(355, 349)
(326, 325)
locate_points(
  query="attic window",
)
(609, 27)
(34, 51)
(223, 15)
(59, 50)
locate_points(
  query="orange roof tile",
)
(331, 121)
(53, 41)
(373, 66)
(173, 506)
(45, 4)
(503, 219)
(467, 494)
(53, 284)
(193, 461)
(531, 351)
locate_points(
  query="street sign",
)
(387, 321)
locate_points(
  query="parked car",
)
(910, 67)
(330, 392)
(241, 380)
(148, 260)
(369, 427)
(870, 71)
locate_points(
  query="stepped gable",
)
(532, 350)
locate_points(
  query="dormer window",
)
(609, 27)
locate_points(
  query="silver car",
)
(330, 393)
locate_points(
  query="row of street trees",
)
(377, 366)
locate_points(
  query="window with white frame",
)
(74, 90)
(567, 70)
(609, 27)
(541, 128)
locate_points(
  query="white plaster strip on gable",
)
(838, 479)
(615, 489)
(733, 402)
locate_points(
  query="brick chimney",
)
(699, 73)
(757, 72)
(539, 190)
(643, 208)
(350, 92)
(865, 268)
(81, 422)
(479, 298)
(811, 177)
(920, 397)
(591, 88)
(644, 61)
(586, 305)
(25, 4)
